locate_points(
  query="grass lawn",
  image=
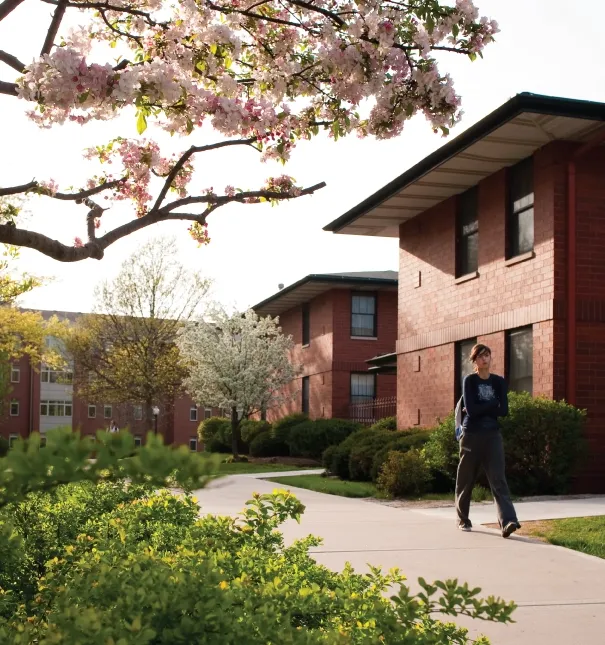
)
(244, 467)
(328, 485)
(585, 534)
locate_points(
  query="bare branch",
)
(12, 61)
(10, 234)
(7, 6)
(94, 212)
(54, 27)
(16, 190)
(187, 155)
(8, 88)
(66, 197)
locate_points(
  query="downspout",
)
(572, 269)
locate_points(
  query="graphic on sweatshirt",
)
(486, 393)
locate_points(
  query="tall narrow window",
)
(363, 315)
(92, 411)
(107, 411)
(193, 444)
(521, 208)
(207, 413)
(12, 440)
(463, 364)
(306, 325)
(363, 388)
(14, 409)
(137, 412)
(193, 413)
(305, 395)
(520, 360)
(15, 374)
(467, 236)
(138, 441)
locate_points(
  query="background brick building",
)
(502, 241)
(338, 322)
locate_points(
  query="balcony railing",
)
(371, 411)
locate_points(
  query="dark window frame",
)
(458, 359)
(193, 409)
(510, 333)
(518, 203)
(92, 407)
(367, 399)
(306, 394)
(365, 294)
(11, 413)
(306, 325)
(465, 203)
(192, 440)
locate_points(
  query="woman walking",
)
(485, 397)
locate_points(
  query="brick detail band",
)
(521, 317)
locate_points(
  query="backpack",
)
(458, 429)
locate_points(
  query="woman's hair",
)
(477, 350)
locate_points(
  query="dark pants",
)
(483, 449)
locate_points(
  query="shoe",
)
(465, 525)
(510, 528)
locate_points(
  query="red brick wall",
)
(19, 425)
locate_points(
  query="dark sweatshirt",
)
(484, 400)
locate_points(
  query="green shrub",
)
(401, 442)
(543, 441)
(363, 451)
(4, 446)
(327, 457)
(404, 474)
(250, 429)
(266, 445)
(311, 438)
(388, 423)
(339, 462)
(282, 427)
(215, 434)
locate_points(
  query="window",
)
(193, 445)
(363, 315)
(137, 411)
(92, 411)
(14, 412)
(15, 374)
(42, 442)
(48, 375)
(138, 441)
(305, 395)
(519, 354)
(463, 365)
(12, 439)
(207, 413)
(521, 208)
(306, 325)
(192, 413)
(467, 235)
(363, 388)
(107, 411)
(55, 408)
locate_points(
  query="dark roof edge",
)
(524, 102)
(320, 277)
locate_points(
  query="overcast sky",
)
(553, 47)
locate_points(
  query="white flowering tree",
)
(262, 74)
(237, 362)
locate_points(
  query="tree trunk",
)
(149, 413)
(235, 434)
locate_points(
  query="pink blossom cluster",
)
(199, 232)
(211, 63)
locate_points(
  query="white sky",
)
(551, 47)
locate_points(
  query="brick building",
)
(502, 241)
(338, 322)
(43, 399)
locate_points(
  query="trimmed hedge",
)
(250, 429)
(311, 438)
(266, 445)
(543, 442)
(282, 428)
(406, 440)
(404, 474)
(388, 423)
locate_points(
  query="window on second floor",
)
(463, 365)
(15, 374)
(107, 412)
(305, 394)
(363, 388)
(207, 413)
(92, 411)
(14, 409)
(467, 233)
(137, 412)
(363, 315)
(306, 325)
(51, 408)
(193, 413)
(521, 208)
(520, 359)
(49, 375)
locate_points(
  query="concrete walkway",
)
(560, 593)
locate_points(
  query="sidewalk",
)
(560, 593)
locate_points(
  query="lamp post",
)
(156, 411)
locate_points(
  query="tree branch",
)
(66, 197)
(12, 61)
(8, 88)
(7, 6)
(16, 190)
(187, 155)
(54, 27)
(10, 234)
